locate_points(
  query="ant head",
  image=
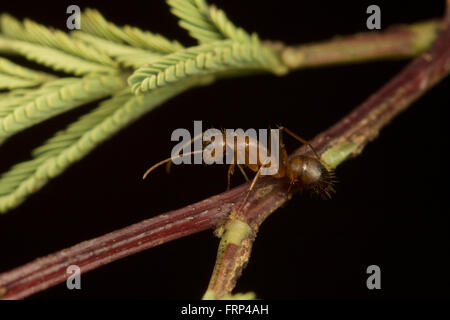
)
(311, 174)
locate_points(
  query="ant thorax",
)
(241, 147)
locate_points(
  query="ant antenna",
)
(182, 147)
(168, 160)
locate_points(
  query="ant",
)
(301, 171)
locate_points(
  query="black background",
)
(389, 208)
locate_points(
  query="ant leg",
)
(285, 160)
(250, 188)
(293, 135)
(230, 172)
(243, 173)
(168, 166)
(284, 155)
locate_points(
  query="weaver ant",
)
(301, 171)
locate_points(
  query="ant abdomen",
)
(310, 174)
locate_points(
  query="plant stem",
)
(51, 270)
(401, 41)
(345, 139)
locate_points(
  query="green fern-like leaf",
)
(54, 58)
(33, 32)
(71, 145)
(60, 141)
(126, 55)
(73, 93)
(206, 23)
(209, 59)
(10, 68)
(15, 98)
(194, 18)
(96, 24)
(11, 82)
(13, 76)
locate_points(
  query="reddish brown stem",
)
(358, 127)
(48, 271)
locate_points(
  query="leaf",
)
(12, 82)
(72, 144)
(13, 69)
(126, 55)
(74, 92)
(206, 23)
(17, 97)
(54, 58)
(96, 24)
(13, 76)
(205, 59)
(31, 31)
(60, 141)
